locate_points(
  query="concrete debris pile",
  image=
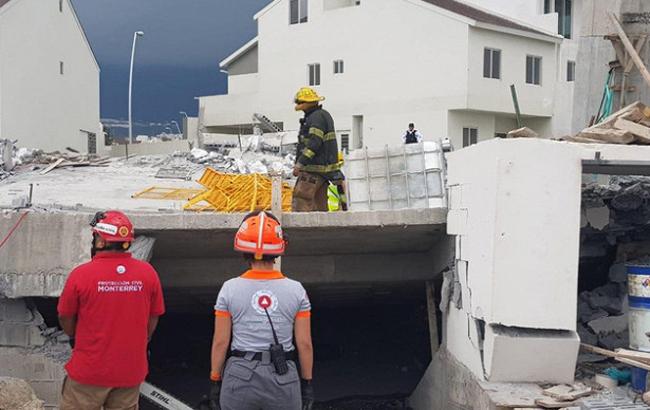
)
(626, 198)
(563, 395)
(16, 394)
(602, 313)
(631, 125)
(235, 161)
(12, 158)
(615, 219)
(223, 159)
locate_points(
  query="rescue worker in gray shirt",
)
(262, 310)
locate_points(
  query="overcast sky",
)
(176, 60)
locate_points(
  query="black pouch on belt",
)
(278, 355)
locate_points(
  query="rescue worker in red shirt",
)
(110, 306)
(262, 310)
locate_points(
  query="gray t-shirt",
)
(244, 299)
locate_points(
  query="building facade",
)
(444, 65)
(49, 77)
(564, 17)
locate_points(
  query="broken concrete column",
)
(516, 223)
(31, 351)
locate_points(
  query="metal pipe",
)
(515, 101)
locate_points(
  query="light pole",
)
(135, 38)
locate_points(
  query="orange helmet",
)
(112, 226)
(260, 235)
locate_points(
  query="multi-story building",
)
(49, 78)
(445, 65)
(565, 18)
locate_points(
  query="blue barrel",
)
(638, 285)
(639, 379)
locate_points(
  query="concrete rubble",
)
(32, 351)
(16, 394)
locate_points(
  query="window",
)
(61, 67)
(470, 136)
(564, 10)
(338, 66)
(314, 74)
(571, 71)
(491, 63)
(298, 11)
(533, 70)
(61, 6)
(547, 6)
(338, 4)
(345, 142)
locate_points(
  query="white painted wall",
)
(517, 220)
(488, 94)
(532, 12)
(39, 106)
(393, 75)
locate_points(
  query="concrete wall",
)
(595, 53)
(246, 63)
(42, 251)
(26, 354)
(153, 148)
(514, 290)
(488, 94)
(390, 89)
(39, 106)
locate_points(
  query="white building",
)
(49, 78)
(565, 18)
(442, 64)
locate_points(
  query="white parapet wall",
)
(514, 208)
(150, 148)
(516, 214)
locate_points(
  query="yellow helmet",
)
(307, 95)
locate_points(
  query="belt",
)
(290, 355)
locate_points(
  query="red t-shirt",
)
(113, 297)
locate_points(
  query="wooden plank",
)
(52, 166)
(614, 355)
(630, 49)
(640, 42)
(433, 317)
(609, 121)
(634, 355)
(604, 135)
(641, 132)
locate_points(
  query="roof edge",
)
(550, 38)
(238, 53)
(266, 9)
(442, 11)
(83, 33)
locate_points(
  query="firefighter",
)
(262, 310)
(317, 160)
(110, 308)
